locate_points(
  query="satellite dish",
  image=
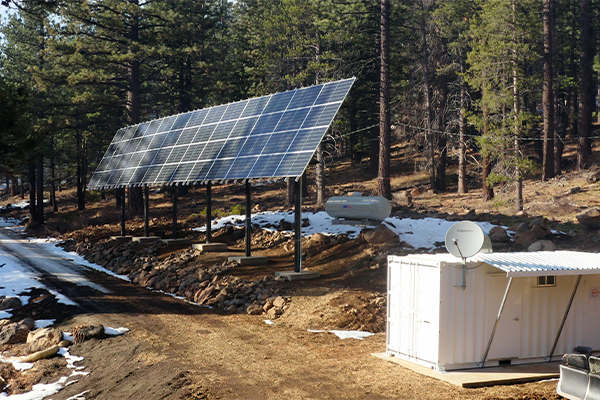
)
(464, 239)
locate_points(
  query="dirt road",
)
(177, 350)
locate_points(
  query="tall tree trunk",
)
(548, 91)
(40, 189)
(384, 187)
(486, 161)
(517, 122)
(80, 180)
(442, 140)
(462, 129)
(22, 188)
(33, 214)
(585, 86)
(319, 172)
(428, 101)
(289, 191)
(136, 196)
(15, 183)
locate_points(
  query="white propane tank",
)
(358, 208)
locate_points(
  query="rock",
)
(274, 312)
(520, 227)
(589, 218)
(498, 235)
(87, 332)
(525, 239)
(540, 221)
(279, 302)
(542, 245)
(254, 309)
(593, 177)
(202, 295)
(539, 232)
(13, 333)
(381, 234)
(28, 322)
(10, 302)
(285, 226)
(43, 338)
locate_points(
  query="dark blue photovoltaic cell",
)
(166, 123)
(255, 106)
(181, 121)
(269, 136)
(215, 114)
(197, 117)
(152, 128)
(187, 136)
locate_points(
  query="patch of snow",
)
(51, 245)
(115, 331)
(44, 323)
(80, 396)
(346, 334)
(68, 336)
(268, 322)
(419, 233)
(22, 366)
(4, 314)
(71, 359)
(7, 222)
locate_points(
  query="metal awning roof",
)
(543, 263)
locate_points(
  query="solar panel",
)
(273, 136)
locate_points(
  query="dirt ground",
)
(177, 350)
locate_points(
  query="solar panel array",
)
(272, 136)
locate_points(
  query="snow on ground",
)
(51, 245)
(419, 233)
(427, 233)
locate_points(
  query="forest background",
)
(494, 88)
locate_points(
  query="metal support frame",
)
(248, 220)
(122, 194)
(298, 225)
(208, 212)
(562, 324)
(487, 350)
(146, 211)
(174, 211)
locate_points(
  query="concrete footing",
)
(121, 239)
(208, 247)
(252, 260)
(296, 276)
(145, 239)
(176, 242)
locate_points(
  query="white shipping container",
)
(434, 320)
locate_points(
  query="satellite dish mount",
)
(465, 239)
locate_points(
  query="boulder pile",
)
(183, 274)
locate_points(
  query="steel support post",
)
(122, 193)
(298, 225)
(487, 349)
(146, 211)
(248, 220)
(562, 324)
(174, 211)
(208, 212)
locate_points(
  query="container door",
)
(407, 310)
(426, 316)
(507, 339)
(394, 306)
